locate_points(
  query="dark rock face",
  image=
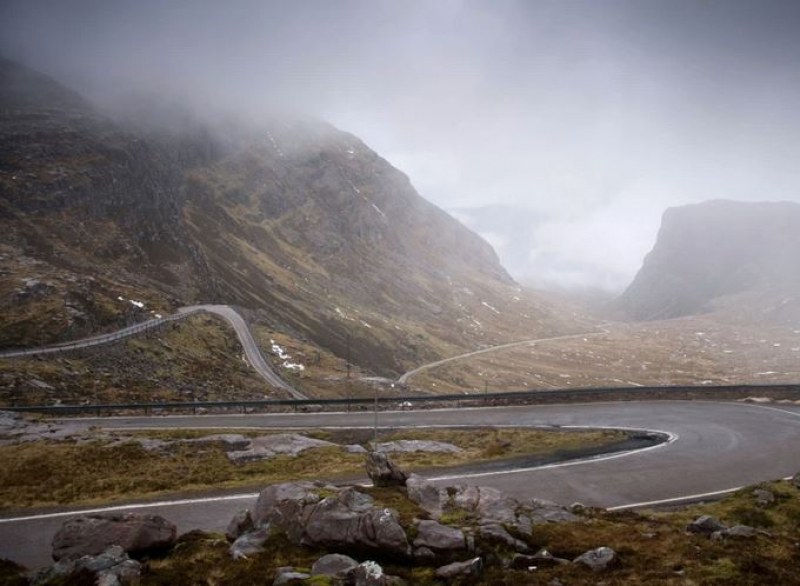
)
(382, 471)
(93, 534)
(713, 249)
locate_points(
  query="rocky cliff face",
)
(294, 220)
(707, 253)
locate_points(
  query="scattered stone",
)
(334, 564)
(577, 508)
(598, 559)
(705, 525)
(242, 522)
(411, 446)
(543, 512)
(763, 497)
(354, 449)
(383, 472)
(249, 543)
(498, 534)
(473, 567)
(368, 573)
(541, 559)
(289, 577)
(269, 446)
(93, 534)
(426, 494)
(113, 567)
(439, 538)
(744, 531)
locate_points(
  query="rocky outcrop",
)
(91, 535)
(320, 515)
(112, 567)
(411, 446)
(473, 567)
(382, 471)
(269, 446)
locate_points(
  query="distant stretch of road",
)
(404, 378)
(226, 312)
(714, 447)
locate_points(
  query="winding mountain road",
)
(251, 350)
(714, 447)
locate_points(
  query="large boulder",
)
(320, 515)
(383, 472)
(242, 522)
(135, 533)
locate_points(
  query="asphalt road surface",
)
(714, 447)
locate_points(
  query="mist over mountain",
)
(709, 254)
(298, 222)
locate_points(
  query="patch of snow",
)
(138, 304)
(379, 210)
(765, 373)
(120, 298)
(158, 316)
(294, 367)
(515, 298)
(278, 351)
(490, 307)
(776, 345)
(365, 324)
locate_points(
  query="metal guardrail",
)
(511, 397)
(102, 339)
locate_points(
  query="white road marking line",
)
(672, 437)
(173, 503)
(679, 499)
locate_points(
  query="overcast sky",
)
(578, 121)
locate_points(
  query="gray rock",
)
(763, 497)
(598, 559)
(250, 543)
(93, 534)
(411, 446)
(289, 577)
(498, 534)
(334, 564)
(242, 522)
(346, 518)
(354, 449)
(424, 555)
(541, 559)
(705, 525)
(439, 538)
(542, 512)
(473, 567)
(744, 531)
(426, 494)
(368, 573)
(383, 472)
(113, 567)
(229, 441)
(269, 446)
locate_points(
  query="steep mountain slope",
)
(306, 229)
(719, 254)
